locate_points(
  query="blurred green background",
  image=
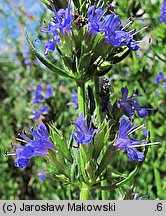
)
(20, 72)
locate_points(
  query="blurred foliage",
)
(18, 81)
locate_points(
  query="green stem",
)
(158, 181)
(81, 99)
(104, 194)
(85, 192)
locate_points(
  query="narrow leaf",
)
(45, 61)
(57, 159)
(60, 143)
(47, 3)
(100, 139)
(108, 157)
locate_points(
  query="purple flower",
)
(162, 16)
(49, 46)
(94, 18)
(62, 23)
(49, 91)
(164, 86)
(128, 73)
(142, 112)
(74, 100)
(37, 146)
(145, 132)
(112, 27)
(42, 94)
(83, 134)
(38, 95)
(132, 45)
(38, 113)
(128, 144)
(129, 104)
(27, 61)
(27, 57)
(63, 19)
(42, 175)
(139, 198)
(21, 162)
(157, 91)
(160, 77)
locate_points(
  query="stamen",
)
(146, 108)
(20, 140)
(137, 128)
(24, 137)
(9, 153)
(53, 7)
(132, 30)
(131, 22)
(140, 19)
(14, 145)
(146, 40)
(147, 144)
(129, 19)
(145, 27)
(69, 4)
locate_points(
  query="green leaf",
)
(60, 143)
(158, 181)
(76, 3)
(68, 62)
(101, 71)
(91, 101)
(91, 167)
(97, 39)
(78, 36)
(57, 159)
(83, 162)
(45, 61)
(108, 157)
(47, 3)
(58, 177)
(124, 181)
(66, 46)
(118, 59)
(58, 4)
(101, 138)
(73, 171)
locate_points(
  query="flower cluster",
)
(74, 100)
(37, 146)
(83, 134)
(114, 30)
(42, 175)
(128, 144)
(162, 16)
(112, 27)
(161, 78)
(61, 22)
(129, 104)
(42, 110)
(41, 95)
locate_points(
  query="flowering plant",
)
(88, 39)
